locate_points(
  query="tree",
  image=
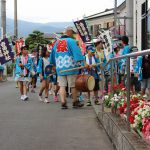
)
(36, 38)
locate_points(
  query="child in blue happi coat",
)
(22, 71)
(42, 69)
(33, 75)
(91, 61)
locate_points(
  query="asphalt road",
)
(34, 125)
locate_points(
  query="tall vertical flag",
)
(106, 37)
(82, 29)
(6, 52)
(19, 44)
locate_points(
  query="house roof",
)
(107, 12)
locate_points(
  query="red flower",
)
(142, 106)
(135, 113)
(131, 119)
(125, 105)
(121, 109)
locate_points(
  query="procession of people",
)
(63, 67)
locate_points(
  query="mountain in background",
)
(25, 28)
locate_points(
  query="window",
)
(99, 26)
(144, 9)
(148, 32)
(146, 25)
(148, 4)
(91, 30)
(107, 25)
(144, 33)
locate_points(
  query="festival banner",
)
(81, 44)
(19, 44)
(106, 37)
(6, 52)
(83, 30)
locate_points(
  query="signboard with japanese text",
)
(106, 37)
(83, 30)
(19, 44)
(6, 52)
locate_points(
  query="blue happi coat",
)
(93, 71)
(41, 69)
(18, 70)
(138, 68)
(122, 62)
(34, 64)
(66, 55)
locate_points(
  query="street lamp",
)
(115, 17)
(3, 18)
(15, 19)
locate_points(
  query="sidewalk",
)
(36, 126)
(117, 130)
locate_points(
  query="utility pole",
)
(3, 18)
(115, 17)
(15, 19)
(129, 21)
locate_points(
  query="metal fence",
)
(127, 57)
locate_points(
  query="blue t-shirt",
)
(126, 50)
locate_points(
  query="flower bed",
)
(139, 109)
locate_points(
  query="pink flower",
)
(146, 131)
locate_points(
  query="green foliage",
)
(36, 38)
(10, 68)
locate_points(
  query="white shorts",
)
(67, 80)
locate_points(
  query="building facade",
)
(105, 20)
(142, 24)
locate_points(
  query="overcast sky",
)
(57, 10)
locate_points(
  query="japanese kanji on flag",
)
(82, 29)
(6, 52)
(106, 37)
(19, 44)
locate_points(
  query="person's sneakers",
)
(22, 97)
(97, 102)
(46, 100)
(55, 98)
(64, 106)
(50, 92)
(77, 104)
(25, 98)
(88, 103)
(40, 98)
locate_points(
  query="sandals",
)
(88, 103)
(77, 105)
(64, 106)
(97, 102)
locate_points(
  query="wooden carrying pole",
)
(78, 68)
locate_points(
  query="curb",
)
(117, 131)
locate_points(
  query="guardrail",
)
(127, 57)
